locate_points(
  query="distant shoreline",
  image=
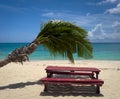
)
(101, 51)
(30, 42)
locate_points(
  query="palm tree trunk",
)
(20, 54)
(4, 62)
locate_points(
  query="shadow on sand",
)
(68, 90)
(20, 85)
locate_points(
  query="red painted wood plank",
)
(71, 80)
(61, 68)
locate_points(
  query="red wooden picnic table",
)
(80, 70)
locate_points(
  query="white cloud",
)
(97, 32)
(107, 1)
(88, 14)
(49, 14)
(114, 36)
(13, 8)
(116, 23)
(116, 31)
(111, 1)
(6, 7)
(116, 27)
(115, 10)
(102, 2)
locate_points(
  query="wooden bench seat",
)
(96, 82)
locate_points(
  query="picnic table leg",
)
(45, 87)
(97, 75)
(98, 89)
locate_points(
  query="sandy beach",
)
(23, 81)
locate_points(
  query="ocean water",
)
(101, 51)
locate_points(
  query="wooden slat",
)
(74, 81)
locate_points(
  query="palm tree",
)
(58, 37)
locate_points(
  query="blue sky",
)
(20, 20)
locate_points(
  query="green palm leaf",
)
(65, 38)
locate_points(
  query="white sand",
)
(21, 81)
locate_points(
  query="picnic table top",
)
(66, 68)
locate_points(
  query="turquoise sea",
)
(102, 51)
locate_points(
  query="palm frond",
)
(65, 38)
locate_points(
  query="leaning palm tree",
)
(58, 37)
